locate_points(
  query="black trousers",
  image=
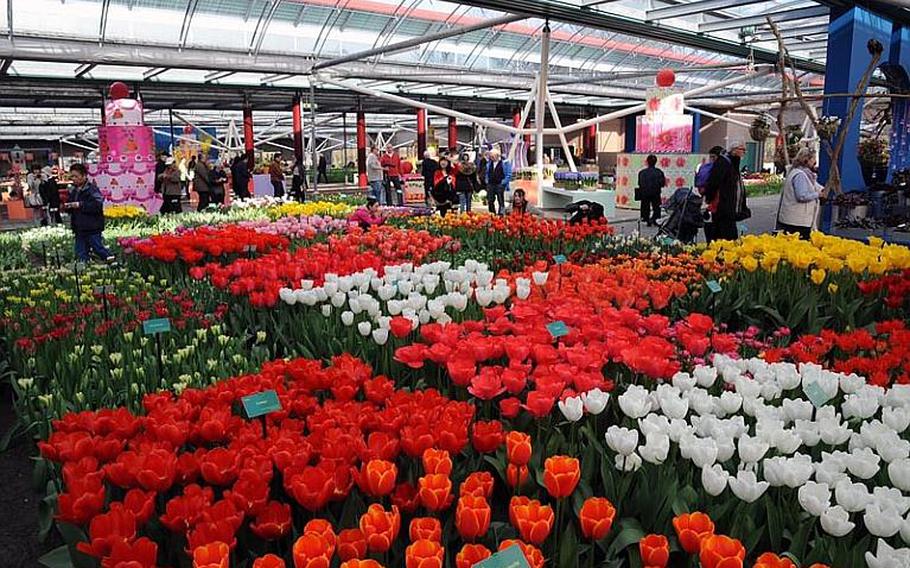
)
(803, 232)
(323, 177)
(725, 229)
(650, 209)
(278, 188)
(205, 198)
(171, 204)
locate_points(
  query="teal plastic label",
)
(560, 259)
(261, 403)
(558, 329)
(816, 394)
(511, 557)
(714, 286)
(153, 326)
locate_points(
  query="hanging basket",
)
(827, 127)
(760, 129)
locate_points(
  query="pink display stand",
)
(125, 172)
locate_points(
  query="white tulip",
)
(621, 440)
(830, 472)
(747, 387)
(627, 463)
(380, 335)
(882, 522)
(656, 448)
(339, 299)
(347, 317)
(572, 408)
(859, 406)
(888, 557)
(683, 381)
(702, 451)
(797, 471)
(700, 401)
(787, 441)
(833, 432)
(836, 521)
(853, 497)
(786, 375)
(899, 474)
(678, 429)
(540, 278)
(654, 424)
(423, 317)
(635, 402)
(522, 292)
(808, 432)
(863, 463)
(772, 469)
(795, 409)
(891, 498)
(364, 328)
(705, 376)
(523, 282)
(905, 530)
(484, 296)
(330, 287)
(851, 383)
(898, 396)
(892, 447)
(726, 447)
(595, 401)
(815, 498)
(673, 405)
(326, 310)
(751, 450)
(747, 487)
(306, 284)
(287, 296)
(898, 419)
(730, 402)
(714, 479)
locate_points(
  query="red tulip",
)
(435, 491)
(380, 527)
(116, 525)
(487, 437)
(436, 461)
(471, 554)
(424, 554)
(472, 517)
(212, 555)
(312, 551)
(561, 475)
(351, 544)
(518, 448)
(425, 528)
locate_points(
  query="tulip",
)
(377, 477)
(436, 461)
(268, 561)
(635, 402)
(771, 560)
(425, 528)
(572, 408)
(516, 475)
(561, 475)
(435, 491)
(714, 479)
(595, 401)
(621, 440)
(380, 527)
(213, 555)
(691, 528)
(518, 448)
(533, 521)
(751, 450)
(531, 553)
(815, 498)
(472, 517)
(596, 517)
(356, 563)
(471, 554)
(882, 521)
(424, 554)
(656, 448)
(273, 521)
(627, 463)
(324, 529)
(351, 544)
(719, 551)
(487, 437)
(836, 521)
(888, 557)
(899, 474)
(747, 487)
(312, 551)
(655, 550)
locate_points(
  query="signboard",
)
(156, 326)
(713, 286)
(511, 557)
(261, 403)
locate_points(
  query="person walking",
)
(202, 182)
(298, 180)
(171, 187)
(50, 194)
(276, 175)
(219, 178)
(797, 211)
(240, 178)
(651, 180)
(428, 169)
(498, 175)
(33, 198)
(375, 176)
(391, 164)
(465, 182)
(724, 189)
(86, 208)
(323, 169)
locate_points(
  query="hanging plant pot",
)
(760, 129)
(827, 127)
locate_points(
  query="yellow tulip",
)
(832, 288)
(817, 276)
(749, 263)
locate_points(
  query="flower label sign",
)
(249, 248)
(156, 326)
(816, 394)
(107, 289)
(558, 329)
(261, 403)
(560, 259)
(511, 557)
(714, 286)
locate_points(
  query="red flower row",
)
(195, 245)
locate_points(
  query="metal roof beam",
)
(783, 16)
(4, 66)
(808, 45)
(689, 8)
(794, 32)
(153, 72)
(83, 69)
(414, 42)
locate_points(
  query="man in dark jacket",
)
(651, 181)
(240, 178)
(724, 193)
(428, 169)
(202, 182)
(86, 209)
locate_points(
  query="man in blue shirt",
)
(86, 208)
(498, 176)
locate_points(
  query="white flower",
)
(656, 448)
(326, 310)
(898, 419)
(621, 440)
(381, 335)
(853, 497)
(899, 474)
(751, 450)
(540, 278)
(654, 424)
(714, 479)
(747, 487)
(347, 317)
(786, 375)
(572, 408)
(730, 402)
(859, 405)
(851, 383)
(627, 463)
(702, 451)
(726, 447)
(888, 557)
(795, 409)
(287, 296)
(891, 498)
(364, 328)
(815, 498)
(522, 292)
(883, 522)
(705, 376)
(905, 530)
(787, 441)
(671, 403)
(595, 401)
(683, 381)
(836, 521)
(635, 402)
(863, 463)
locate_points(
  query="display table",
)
(17, 211)
(556, 198)
(413, 189)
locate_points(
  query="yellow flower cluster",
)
(820, 255)
(124, 212)
(337, 210)
(470, 221)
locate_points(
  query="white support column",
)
(521, 123)
(562, 137)
(541, 101)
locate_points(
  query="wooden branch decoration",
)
(784, 89)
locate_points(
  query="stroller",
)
(585, 210)
(685, 218)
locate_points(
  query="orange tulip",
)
(516, 501)
(691, 528)
(472, 517)
(268, 561)
(435, 491)
(424, 554)
(436, 461)
(380, 527)
(479, 483)
(312, 551)
(771, 560)
(212, 555)
(324, 529)
(355, 563)
(518, 448)
(655, 550)
(533, 521)
(719, 551)
(532, 554)
(377, 477)
(516, 475)
(351, 544)
(561, 475)
(471, 554)
(425, 528)
(596, 517)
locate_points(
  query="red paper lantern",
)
(118, 90)
(666, 78)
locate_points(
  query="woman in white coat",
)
(800, 195)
